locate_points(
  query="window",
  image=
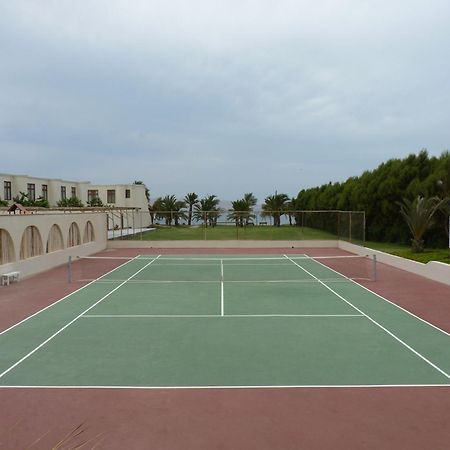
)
(6, 248)
(74, 235)
(7, 186)
(127, 193)
(31, 191)
(88, 232)
(63, 193)
(31, 243)
(55, 239)
(111, 196)
(45, 192)
(73, 192)
(92, 193)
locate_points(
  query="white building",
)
(54, 190)
(31, 243)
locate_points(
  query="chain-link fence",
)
(240, 225)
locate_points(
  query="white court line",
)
(287, 386)
(309, 280)
(224, 258)
(374, 321)
(72, 293)
(385, 299)
(161, 281)
(190, 316)
(72, 321)
(221, 289)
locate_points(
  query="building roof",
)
(18, 207)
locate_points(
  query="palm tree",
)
(418, 215)
(207, 210)
(242, 209)
(155, 209)
(190, 199)
(274, 206)
(178, 212)
(291, 210)
(251, 200)
(168, 205)
(169, 208)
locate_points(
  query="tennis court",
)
(223, 321)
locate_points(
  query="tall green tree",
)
(191, 200)
(274, 205)
(242, 210)
(378, 191)
(418, 215)
(207, 210)
(169, 209)
(291, 210)
(155, 210)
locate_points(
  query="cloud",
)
(221, 97)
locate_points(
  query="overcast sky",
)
(220, 97)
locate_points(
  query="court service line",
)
(73, 320)
(374, 321)
(385, 299)
(222, 312)
(224, 257)
(194, 316)
(68, 295)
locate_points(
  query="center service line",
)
(221, 289)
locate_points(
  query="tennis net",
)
(216, 269)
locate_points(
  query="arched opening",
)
(74, 235)
(55, 239)
(88, 235)
(6, 248)
(31, 244)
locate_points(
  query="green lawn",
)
(388, 247)
(442, 254)
(228, 232)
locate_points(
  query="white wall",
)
(433, 270)
(16, 225)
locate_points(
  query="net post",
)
(69, 270)
(350, 226)
(374, 263)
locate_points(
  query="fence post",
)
(69, 270)
(350, 226)
(374, 267)
(364, 228)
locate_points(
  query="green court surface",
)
(223, 321)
